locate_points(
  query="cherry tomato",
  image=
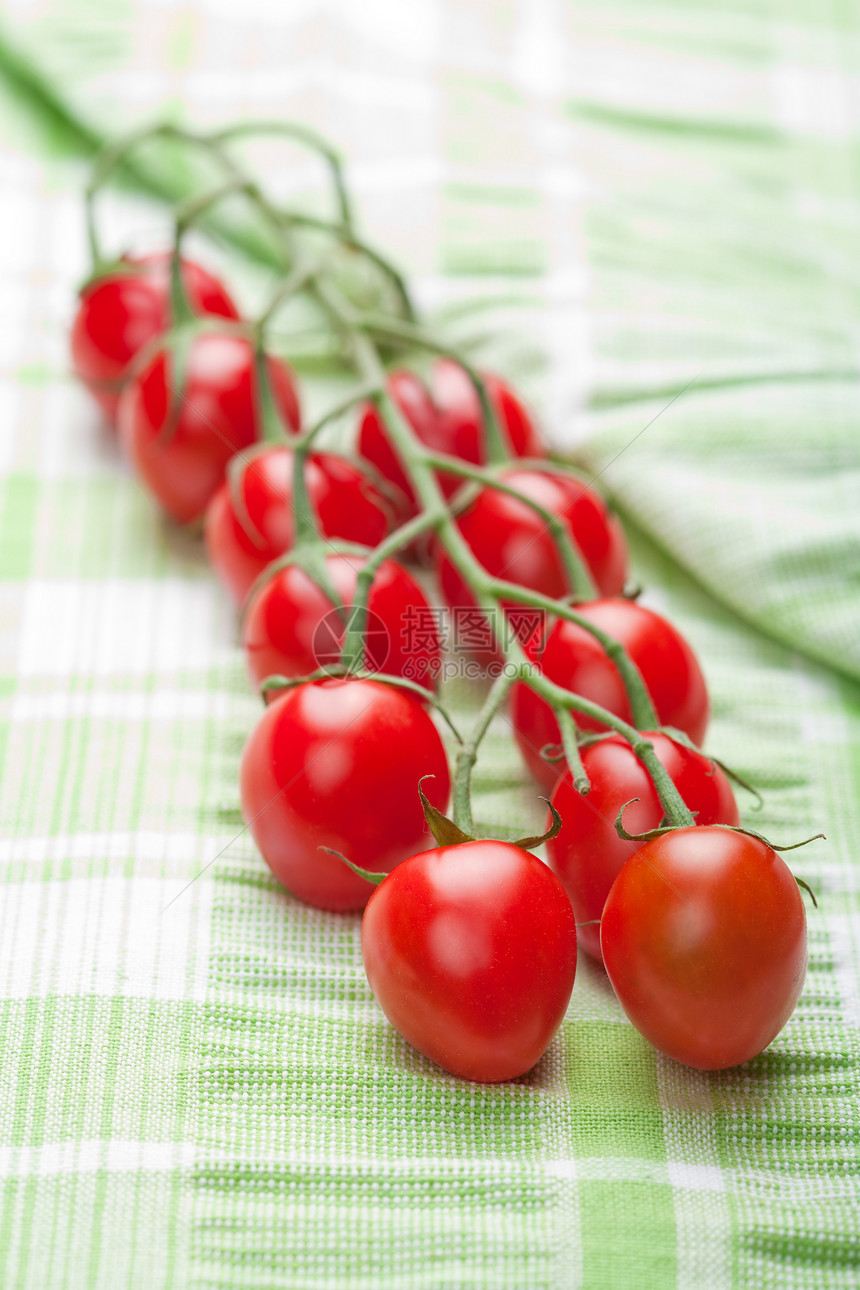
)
(512, 542)
(448, 420)
(470, 951)
(183, 463)
(121, 312)
(704, 940)
(346, 503)
(575, 659)
(336, 763)
(587, 853)
(291, 628)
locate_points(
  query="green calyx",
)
(448, 834)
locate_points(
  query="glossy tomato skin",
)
(183, 463)
(336, 763)
(512, 541)
(447, 419)
(470, 951)
(291, 629)
(346, 503)
(704, 940)
(121, 312)
(587, 854)
(575, 659)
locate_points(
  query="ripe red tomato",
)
(587, 853)
(704, 940)
(512, 542)
(121, 312)
(183, 464)
(337, 763)
(575, 659)
(447, 419)
(291, 627)
(470, 951)
(347, 505)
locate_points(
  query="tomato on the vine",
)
(337, 763)
(470, 951)
(587, 854)
(447, 419)
(180, 441)
(122, 311)
(243, 539)
(575, 659)
(704, 940)
(512, 542)
(291, 627)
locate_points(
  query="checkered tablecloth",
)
(620, 203)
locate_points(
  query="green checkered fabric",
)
(648, 216)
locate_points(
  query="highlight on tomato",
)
(336, 763)
(122, 311)
(180, 440)
(291, 628)
(704, 940)
(588, 853)
(575, 659)
(250, 520)
(470, 951)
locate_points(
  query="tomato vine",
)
(606, 694)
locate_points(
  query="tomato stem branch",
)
(468, 753)
(360, 331)
(577, 571)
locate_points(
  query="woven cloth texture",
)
(647, 216)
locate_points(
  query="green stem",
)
(673, 804)
(365, 391)
(308, 138)
(578, 574)
(304, 269)
(345, 235)
(490, 592)
(468, 753)
(192, 211)
(115, 155)
(498, 451)
(181, 308)
(274, 431)
(352, 651)
(570, 747)
(641, 706)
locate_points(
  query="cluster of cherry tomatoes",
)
(470, 946)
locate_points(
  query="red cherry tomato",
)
(337, 763)
(346, 503)
(704, 940)
(447, 419)
(587, 853)
(121, 312)
(291, 628)
(470, 951)
(512, 542)
(182, 462)
(575, 659)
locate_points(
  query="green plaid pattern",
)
(197, 1088)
